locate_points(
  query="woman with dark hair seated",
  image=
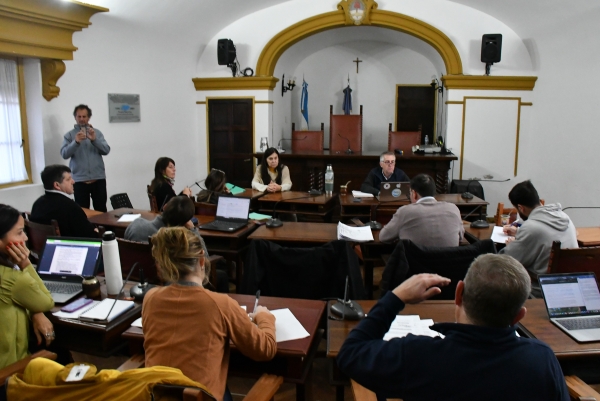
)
(189, 327)
(23, 296)
(164, 179)
(272, 176)
(215, 187)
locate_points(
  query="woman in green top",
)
(23, 296)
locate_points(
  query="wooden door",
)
(231, 138)
(415, 105)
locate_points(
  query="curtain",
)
(12, 159)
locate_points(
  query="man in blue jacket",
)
(86, 146)
(479, 358)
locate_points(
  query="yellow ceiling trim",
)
(237, 83)
(490, 82)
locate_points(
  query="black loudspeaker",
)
(491, 48)
(225, 51)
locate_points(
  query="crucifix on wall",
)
(357, 61)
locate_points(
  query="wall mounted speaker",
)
(491, 48)
(225, 51)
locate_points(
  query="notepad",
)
(99, 312)
(233, 189)
(498, 235)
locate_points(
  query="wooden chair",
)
(574, 260)
(263, 390)
(37, 234)
(345, 130)
(307, 141)
(131, 252)
(120, 200)
(580, 391)
(19, 366)
(510, 211)
(205, 209)
(152, 200)
(403, 140)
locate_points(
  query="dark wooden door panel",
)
(416, 107)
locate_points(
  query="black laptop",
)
(65, 261)
(232, 214)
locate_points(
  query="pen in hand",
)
(256, 302)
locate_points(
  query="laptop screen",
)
(70, 256)
(230, 207)
(574, 294)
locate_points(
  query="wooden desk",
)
(588, 236)
(92, 338)
(230, 245)
(477, 234)
(294, 358)
(307, 168)
(318, 207)
(297, 234)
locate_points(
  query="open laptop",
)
(573, 303)
(394, 191)
(63, 263)
(232, 214)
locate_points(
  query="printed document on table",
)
(128, 218)
(287, 327)
(360, 194)
(498, 235)
(357, 234)
(410, 324)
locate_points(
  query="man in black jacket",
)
(57, 204)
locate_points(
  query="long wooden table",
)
(307, 168)
(315, 207)
(294, 358)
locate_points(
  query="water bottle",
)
(426, 140)
(112, 263)
(329, 180)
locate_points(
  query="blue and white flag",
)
(304, 105)
(347, 99)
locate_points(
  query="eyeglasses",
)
(389, 161)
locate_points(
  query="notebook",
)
(394, 191)
(232, 214)
(573, 303)
(63, 263)
(105, 311)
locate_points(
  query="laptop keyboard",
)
(62, 288)
(581, 324)
(222, 224)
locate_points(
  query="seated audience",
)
(190, 328)
(178, 212)
(271, 175)
(57, 204)
(426, 222)
(164, 180)
(23, 296)
(480, 356)
(215, 187)
(387, 172)
(541, 225)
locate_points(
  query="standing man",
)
(86, 146)
(386, 172)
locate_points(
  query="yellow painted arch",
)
(336, 19)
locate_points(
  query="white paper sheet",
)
(410, 324)
(359, 194)
(287, 327)
(137, 323)
(357, 234)
(498, 235)
(128, 218)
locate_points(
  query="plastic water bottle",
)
(329, 180)
(112, 263)
(426, 140)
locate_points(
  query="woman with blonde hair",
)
(189, 327)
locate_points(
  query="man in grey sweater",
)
(541, 226)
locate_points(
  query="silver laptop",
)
(394, 191)
(573, 304)
(232, 214)
(63, 263)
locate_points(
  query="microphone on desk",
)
(348, 151)
(468, 195)
(481, 223)
(346, 308)
(274, 222)
(282, 150)
(198, 183)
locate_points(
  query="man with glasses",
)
(387, 172)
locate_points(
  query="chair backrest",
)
(307, 141)
(37, 234)
(152, 200)
(120, 200)
(511, 211)
(472, 186)
(205, 209)
(131, 252)
(574, 260)
(344, 130)
(403, 140)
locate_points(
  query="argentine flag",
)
(304, 105)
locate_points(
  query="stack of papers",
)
(498, 235)
(356, 234)
(410, 324)
(359, 194)
(128, 217)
